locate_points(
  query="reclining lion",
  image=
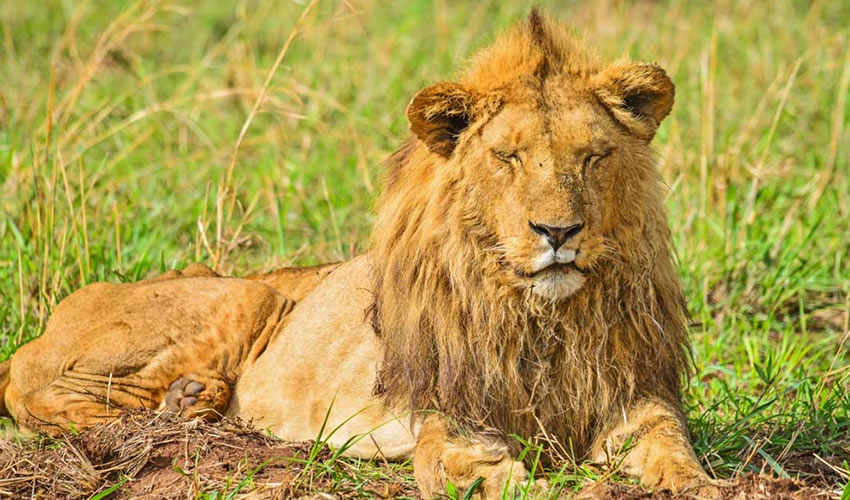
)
(520, 281)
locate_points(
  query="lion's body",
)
(114, 346)
(520, 282)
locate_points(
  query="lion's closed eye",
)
(592, 158)
(507, 156)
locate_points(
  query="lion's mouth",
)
(557, 267)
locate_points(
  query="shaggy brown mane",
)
(491, 356)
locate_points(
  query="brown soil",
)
(161, 456)
(749, 487)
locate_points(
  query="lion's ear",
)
(438, 114)
(639, 95)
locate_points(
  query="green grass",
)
(119, 120)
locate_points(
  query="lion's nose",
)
(557, 236)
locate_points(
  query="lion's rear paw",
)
(198, 396)
(183, 393)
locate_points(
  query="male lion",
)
(520, 282)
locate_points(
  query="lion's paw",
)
(708, 489)
(682, 477)
(198, 396)
(464, 465)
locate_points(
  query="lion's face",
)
(548, 164)
(543, 175)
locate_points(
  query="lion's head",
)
(549, 145)
(521, 246)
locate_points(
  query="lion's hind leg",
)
(78, 400)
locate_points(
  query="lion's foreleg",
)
(441, 457)
(652, 441)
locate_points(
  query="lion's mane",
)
(492, 356)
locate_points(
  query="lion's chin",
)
(555, 284)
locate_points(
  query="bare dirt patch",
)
(159, 455)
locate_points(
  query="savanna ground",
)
(140, 137)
